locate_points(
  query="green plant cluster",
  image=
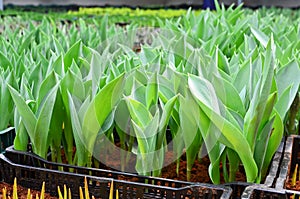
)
(292, 14)
(129, 12)
(218, 83)
(140, 16)
(124, 15)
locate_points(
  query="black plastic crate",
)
(274, 168)
(255, 191)
(292, 194)
(239, 187)
(30, 159)
(32, 177)
(290, 159)
(33, 160)
(7, 137)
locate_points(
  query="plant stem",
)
(177, 166)
(295, 108)
(188, 174)
(89, 161)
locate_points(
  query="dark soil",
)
(199, 171)
(22, 192)
(111, 161)
(295, 187)
(290, 186)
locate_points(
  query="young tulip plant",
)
(149, 123)
(251, 127)
(6, 103)
(220, 83)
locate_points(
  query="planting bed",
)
(33, 161)
(289, 173)
(253, 192)
(199, 170)
(99, 186)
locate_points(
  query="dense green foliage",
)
(219, 83)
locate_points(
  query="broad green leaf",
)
(152, 91)
(257, 107)
(78, 133)
(189, 118)
(228, 95)
(234, 163)
(103, 28)
(73, 84)
(260, 36)
(100, 107)
(36, 78)
(167, 111)
(71, 54)
(210, 135)
(56, 126)
(4, 62)
(147, 55)
(6, 103)
(96, 71)
(128, 51)
(274, 141)
(58, 66)
(58, 47)
(261, 145)
(203, 91)
(49, 82)
(138, 112)
(28, 117)
(287, 81)
(42, 126)
(26, 42)
(21, 139)
(243, 77)
(146, 138)
(268, 111)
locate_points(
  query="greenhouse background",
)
(248, 3)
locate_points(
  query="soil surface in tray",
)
(289, 185)
(112, 158)
(199, 171)
(199, 174)
(22, 192)
(295, 187)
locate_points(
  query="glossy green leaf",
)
(232, 137)
(71, 54)
(100, 107)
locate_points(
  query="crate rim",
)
(7, 130)
(11, 149)
(226, 190)
(223, 192)
(249, 190)
(286, 162)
